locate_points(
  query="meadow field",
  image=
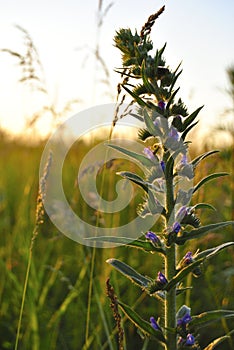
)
(62, 310)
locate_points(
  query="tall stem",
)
(170, 269)
(170, 302)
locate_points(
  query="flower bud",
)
(190, 339)
(176, 227)
(161, 105)
(151, 236)
(161, 279)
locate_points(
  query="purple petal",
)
(163, 166)
(154, 323)
(149, 154)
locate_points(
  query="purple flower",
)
(184, 160)
(149, 154)
(161, 278)
(184, 320)
(154, 324)
(152, 237)
(176, 227)
(163, 166)
(185, 168)
(190, 339)
(161, 104)
(188, 258)
(173, 133)
(181, 213)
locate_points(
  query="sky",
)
(198, 33)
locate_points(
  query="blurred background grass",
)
(55, 310)
(57, 298)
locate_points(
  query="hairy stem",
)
(170, 302)
(170, 270)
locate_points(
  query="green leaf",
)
(209, 253)
(201, 231)
(170, 162)
(139, 100)
(139, 157)
(134, 178)
(129, 272)
(198, 159)
(191, 118)
(203, 206)
(176, 76)
(208, 178)
(181, 274)
(171, 99)
(143, 325)
(204, 319)
(149, 124)
(137, 116)
(152, 204)
(138, 243)
(148, 85)
(189, 128)
(218, 341)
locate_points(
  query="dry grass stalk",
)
(117, 316)
(146, 29)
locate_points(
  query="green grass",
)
(55, 309)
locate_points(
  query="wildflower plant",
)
(169, 187)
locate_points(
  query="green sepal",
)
(208, 317)
(189, 120)
(143, 134)
(139, 157)
(218, 341)
(130, 273)
(198, 159)
(140, 89)
(201, 231)
(208, 178)
(143, 325)
(137, 243)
